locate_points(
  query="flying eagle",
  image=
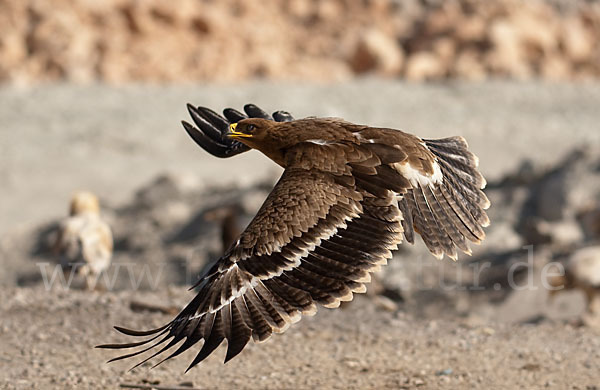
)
(348, 195)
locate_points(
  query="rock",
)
(584, 266)
(471, 29)
(385, 303)
(445, 49)
(328, 10)
(506, 56)
(552, 197)
(376, 51)
(469, 66)
(565, 233)
(164, 188)
(127, 40)
(171, 213)
(577, 41)
(590, 223)
(443, 18)
(501, 237)
(301, 9)
(537, 29)
(556, 68)
(424, 66)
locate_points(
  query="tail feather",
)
(444, 220)
(474, 202)
(458, 207)
(454, 148)
(449, 213)
(427, 209)
(423, 223)
(461, 233)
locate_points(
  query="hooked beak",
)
(236, 134)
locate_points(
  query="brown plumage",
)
(348, 195)
(84, 242)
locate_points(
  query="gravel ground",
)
(57, 139)
(353, 348)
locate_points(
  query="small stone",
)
(385, 303)
(531, 367)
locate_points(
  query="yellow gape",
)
(233, 134)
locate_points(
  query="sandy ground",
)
(57, 139)
(354, 348)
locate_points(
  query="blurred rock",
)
(471, 29)
(445, 49)
(551, 199)
(375, 51)
(424, 66)
(563, 192)
(171, 213)
(469, 66)
(590, 223)
(565, 233)
(556, 68)
(577, 40)
(127, 40)
(507, 57)
(582, 273)
(162, 189)
(501, 237)
(584, 266)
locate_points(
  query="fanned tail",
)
(449, 213)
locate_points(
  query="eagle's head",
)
(274, 138)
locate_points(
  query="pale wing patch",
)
(362, 139)
(319, 141)
(416, 178)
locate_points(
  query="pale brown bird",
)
(84, 242)
(347, 197)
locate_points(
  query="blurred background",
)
(124, 41)
(91, 98)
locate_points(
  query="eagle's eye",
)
(250, 128)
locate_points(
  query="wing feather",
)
(332, 219)
(261, 286)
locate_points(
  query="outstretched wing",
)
(447, 211)
(212, 127)
(315, 240)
